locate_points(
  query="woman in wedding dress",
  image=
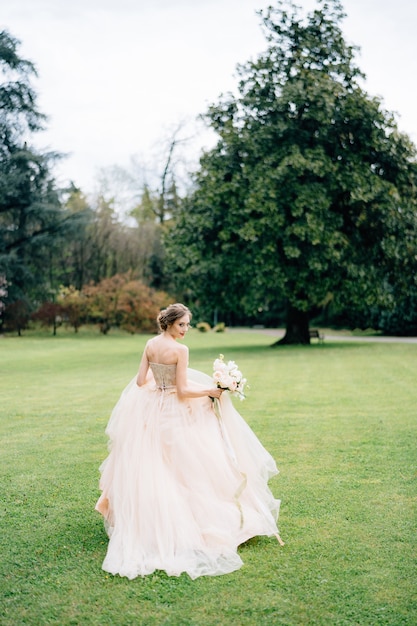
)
(184, 484)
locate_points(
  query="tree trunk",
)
(297, 328)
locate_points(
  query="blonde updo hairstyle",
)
(172, 313)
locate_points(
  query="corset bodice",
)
(165, 375)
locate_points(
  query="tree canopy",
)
(32, 217)
(309, 196)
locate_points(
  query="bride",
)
(183, 485)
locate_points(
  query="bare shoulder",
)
(182, 353)
(182, 348)
(150, 342)
(150, 346)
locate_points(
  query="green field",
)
(340, 420)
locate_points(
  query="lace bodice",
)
(165, 375)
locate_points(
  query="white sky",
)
(117, 76)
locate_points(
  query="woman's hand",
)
(215, 393)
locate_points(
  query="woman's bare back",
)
(163, 350)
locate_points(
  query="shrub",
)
(49, 314)
(124, 302)
(74, 306)
(203, 327)
(16, 316)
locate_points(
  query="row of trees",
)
(120, 301)
(305, 207)
(51, 238)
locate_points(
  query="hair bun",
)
(173, 312)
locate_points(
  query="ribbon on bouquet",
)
(232, 456)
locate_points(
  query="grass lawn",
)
(340, 420)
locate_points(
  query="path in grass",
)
(340, 419)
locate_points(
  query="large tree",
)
(310, 193)
(32, 217)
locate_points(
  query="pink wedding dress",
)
(183, 485)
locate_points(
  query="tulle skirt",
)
(184, 484)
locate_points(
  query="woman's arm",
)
(184, 389)
(143, 369)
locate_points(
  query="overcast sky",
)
(117, 76)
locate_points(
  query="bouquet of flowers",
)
(228, 377)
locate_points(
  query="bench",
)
(315, 334)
